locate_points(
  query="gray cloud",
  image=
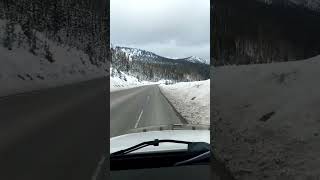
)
(171, 28)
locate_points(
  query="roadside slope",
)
(191, 99)
(266, 122)
(51, 64)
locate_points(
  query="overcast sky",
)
(171, 28)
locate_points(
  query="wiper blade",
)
(198, 158)
(155, 142)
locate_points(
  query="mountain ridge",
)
(144, 55)
(148, 66)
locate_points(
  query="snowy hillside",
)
(137, 53)
(24, 70)
(66, 45)
(120, 80)
(191, 99)
(266, 119)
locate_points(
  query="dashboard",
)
(194, 172)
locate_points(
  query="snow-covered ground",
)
(21, 70)
(191, 99)
(266, 119)
(120, 81)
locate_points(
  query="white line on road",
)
(136, 125)
(148, 98)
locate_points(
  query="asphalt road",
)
(139, 107)
(54, 134)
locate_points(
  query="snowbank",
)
(21, 70)
(266, 120)
(120, 81)
(191, 99)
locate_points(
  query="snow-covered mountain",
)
(195, 59)
(147, 56)
(138, 54)
(145, 65)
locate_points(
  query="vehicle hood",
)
(128, 140)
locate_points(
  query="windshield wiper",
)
(198, 158)
(155, 142)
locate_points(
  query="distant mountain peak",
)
(196, 59)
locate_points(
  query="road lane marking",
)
(136, 125)
(148, 98)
